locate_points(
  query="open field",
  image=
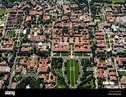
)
(122, 73)
(72, 69)
(2, 11)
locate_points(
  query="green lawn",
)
(87, 55)
(60, 85)
(114, 1)
(3, 18)
(125, 64)
(122, 73)
(57, 54)
(77, 54)
(2, 11)
(72, 69)
(12, 34)
(65, 54)
(21, 34)
(102, 61)
(89, 84)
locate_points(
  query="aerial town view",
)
(62, 44)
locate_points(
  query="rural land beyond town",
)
(62, 44)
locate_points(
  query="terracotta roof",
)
(73, 5)
(101, 73)
(20, 11)
(49, 8)
(25, 49)
(5, 77)
(42, 69)
(99, 37)
(123, 86)
(40, 77)
(13, 10)
(111, 19)
(3, 63)
(25, 6)
(32, 64)
(96, 60)
(100, 43)
(7, 45)
(101, 65)
(23, 61)
(100, 50)
(46, 18)
(113, 78)
(13, 85)
(53, 80)
(44, 50)
(43, 65)
(18, 70)
(4, 69)
(28, 18)
(112, 73)
(118, 45)
(38, 38)
(111, 68)
(71, 32)
(34, 12)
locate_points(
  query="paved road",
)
(89, 7)
(116, 67)
(96, 80)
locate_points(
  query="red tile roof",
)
(46, 17)
(113, 78)
(23, 61)
(25, 49)
(32, 64)
(7, 45)
(120, 61)
(13, 85)
(34, 12)
(53, 80)
(43, 65)
(38, 38)
(3, 63)
(28, 18)
(101, 65)
(111, 19)
(71, 32)
(13, 10)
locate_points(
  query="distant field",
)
(114, 1)
(2, 11)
